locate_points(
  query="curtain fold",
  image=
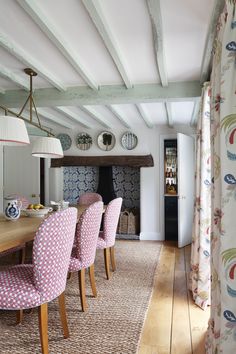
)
(200, 249)
(221, 336)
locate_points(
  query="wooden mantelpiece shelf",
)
(121, 160)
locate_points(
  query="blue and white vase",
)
(12, 211)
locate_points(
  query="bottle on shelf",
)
(167, 173)
(170, 174)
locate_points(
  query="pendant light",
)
(13, 130)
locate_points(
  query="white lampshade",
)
(13, 131)
(47, 147)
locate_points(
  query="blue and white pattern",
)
(78, 180)
(127, 185)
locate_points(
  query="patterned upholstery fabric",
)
(89, 198)
(83, 254)
(27, 286)
(107, 236)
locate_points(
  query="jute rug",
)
(114, 320)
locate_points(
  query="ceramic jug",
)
(12, 211)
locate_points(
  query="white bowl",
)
(37, 213)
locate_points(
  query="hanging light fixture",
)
(13, 130)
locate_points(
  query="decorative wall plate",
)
(84, 141)
(106, 141)
(65, 140)
(129, 141)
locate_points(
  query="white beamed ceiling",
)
(26, 28)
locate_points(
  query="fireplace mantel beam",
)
(121, 160)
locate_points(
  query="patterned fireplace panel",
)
(78, 180)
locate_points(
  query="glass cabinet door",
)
(170, 178)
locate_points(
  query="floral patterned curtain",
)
(222, 325)
(200, 249)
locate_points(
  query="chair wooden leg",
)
(22, 255)
(19, 316)
(92, 280)
(81, 275)
(113, 261)
(62, 310)
(107, 262)
(43, 327)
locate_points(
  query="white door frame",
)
(161, 183)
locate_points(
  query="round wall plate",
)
(84, 141)
(106, 141)
(65, 140)
(129, 141)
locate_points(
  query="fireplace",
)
(83, 171)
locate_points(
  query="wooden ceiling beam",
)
(144, 116)
(207, 54)
(194, 116)
(118, 115)
(16, 79)
(74, 116)
(121, 160)
(25, 58)
(106, 95)
(55, 119)
(96, 116)
(156, 20)
(43, 21)
(95, 12)
(169, 114)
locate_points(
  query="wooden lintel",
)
(122, 160)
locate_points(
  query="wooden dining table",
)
(18, 232)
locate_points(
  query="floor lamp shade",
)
(47, 147)
(13, 131)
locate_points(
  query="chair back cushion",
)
(110, 223)
(87, 232)
(89, 198)
(51, 253)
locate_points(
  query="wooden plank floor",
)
(174, 324)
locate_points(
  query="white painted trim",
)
(44, 22)
(150, 236)
(161, 183)
(95, 12)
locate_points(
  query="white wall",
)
(151, 177)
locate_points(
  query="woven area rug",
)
(114, 320)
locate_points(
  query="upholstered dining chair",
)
(89, 198)
(106, 239)
(34, 285)
(85, 245)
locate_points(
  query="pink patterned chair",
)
(89, 198)
(106, 239)
(34, 285)
(84, 251)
